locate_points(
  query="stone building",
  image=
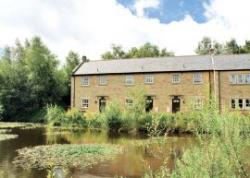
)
(171, 84)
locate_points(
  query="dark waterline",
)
(134, 162)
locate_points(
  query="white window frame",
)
(244, 103)
(240, 79)
(198, 102)
(149, 79)
(197, 78)
(129, 104)
(176, 78)
(85, 80)
(129, 80)
(247, 107)
(103, 80)
(233, 78)
(84, 104)
(247, 78)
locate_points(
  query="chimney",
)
(84, 59)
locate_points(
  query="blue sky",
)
(173, 10)
(89, 27)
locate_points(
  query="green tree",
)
(206, 45)
(246, 47)
(72, 60)
(116, 53)
(41, 66)
(146, 50)
(232, 47)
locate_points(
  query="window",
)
(129, 102)
(103, 80)
(85, 103)
(85, 81)
(240, 103)
(198, 103)
(176, 78)
(233, 79)
(149, 79)
(233, 103)
(197, 78)
(239, 79)
(129, 79)
(247, 103)
(247, 78)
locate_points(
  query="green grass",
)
(67, 156)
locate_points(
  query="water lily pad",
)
(68, 156)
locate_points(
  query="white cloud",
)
(90, 26)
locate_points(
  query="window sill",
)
(148, 83)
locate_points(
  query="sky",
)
(89, 27)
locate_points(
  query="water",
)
(134, 162)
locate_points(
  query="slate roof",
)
(165, 64)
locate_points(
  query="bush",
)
(75, 118)
(113, 117)
(55, 116)
(97, 122)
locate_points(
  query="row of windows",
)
(240, 103)
(148, 79)
(197, 103)
(239, 79)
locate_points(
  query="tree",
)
(232, 47)
(204, 46)
(146, 50)
(116, 53)
(41, 66)
(246, 47)
(72, 60)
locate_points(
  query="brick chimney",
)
(84, 59)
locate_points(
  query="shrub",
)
(97, 122)
(144, 122)
(55, 115)
(113, 117)
(75, 118)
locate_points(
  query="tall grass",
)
(222, 152)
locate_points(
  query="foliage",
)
(220, 152)
(67, 156)
(230, 47)
(113, 116)
(146, 50)
(30, 79)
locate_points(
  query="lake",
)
(136, 159)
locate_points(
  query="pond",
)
(135, 160)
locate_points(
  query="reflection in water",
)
(139, 155)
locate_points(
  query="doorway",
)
(102, 103)
(149, 103)
(176, 104)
